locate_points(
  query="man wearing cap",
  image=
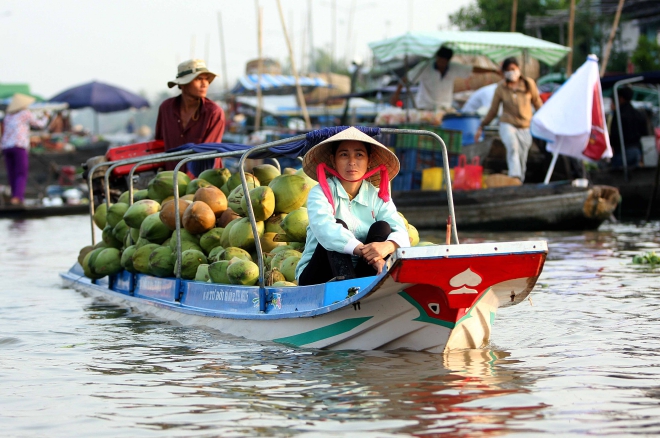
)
(190, 117)
(16, 143)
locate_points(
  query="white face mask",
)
(512, 75)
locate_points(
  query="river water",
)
(583, 358)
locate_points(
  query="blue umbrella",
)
(102, 98)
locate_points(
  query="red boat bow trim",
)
(445, 289)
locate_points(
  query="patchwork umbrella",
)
(495, 45)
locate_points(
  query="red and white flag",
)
(572, 121)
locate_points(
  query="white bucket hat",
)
(189, 70)
(19, 102)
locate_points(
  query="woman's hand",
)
(372, 252)
(358, 250)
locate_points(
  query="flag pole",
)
(260, 67)
(551, 169)
(301, 97)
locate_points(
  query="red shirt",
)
(208, 128)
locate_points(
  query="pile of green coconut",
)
(217, 240)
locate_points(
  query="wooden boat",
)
(529, 207)
(39, 211)
(432, 298)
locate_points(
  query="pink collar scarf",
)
(383, 191)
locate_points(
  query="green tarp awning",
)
(8, 91)
(495, 45)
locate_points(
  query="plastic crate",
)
(135, 150)
(452, 138)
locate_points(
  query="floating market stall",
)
(431, 298)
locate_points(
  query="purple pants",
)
(16, 160)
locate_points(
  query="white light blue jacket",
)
(359, 214)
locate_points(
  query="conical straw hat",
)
(19, 102)
(380, 154)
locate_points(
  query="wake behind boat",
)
(430, 298)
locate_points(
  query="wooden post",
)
(608, 47)
(222, 52)
(514, 15)
(260, 66)
(301, 97)
(571, 24)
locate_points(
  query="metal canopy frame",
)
(186, 156)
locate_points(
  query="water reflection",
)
(205, 381)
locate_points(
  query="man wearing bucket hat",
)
(16, 143)
(190, 117)
(353, 226)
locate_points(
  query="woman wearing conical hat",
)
(15, 143)
(353, 223)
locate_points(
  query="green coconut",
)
(141, 242)
(88, 263)
(154, 230)
(218, 271)
(262, 199)
(162, 185)
(120, 231)
(243, 272)
(224, 239)
(272, 224)
(241, 234)
(100, 244)
(214, 254)
(425, 243)
(289, 171)
(284, 284)
(161, 262)
(135, 233)
(276, 262)
(268, 243)
(234, 200)
(211, 239)
(288, 267)
(126, 260)
(110, 240)
(195, 184)
(83, 252)
(217, 177)
(139, 211)
(116, 213)
(301, 172)
(273, 276)
(298, 246)
(295, 225)
(290, 192)
(190, 261)
(405, 221)
(108, 262)
(100, 214)
(233, 252)
(139, 195)
(141, 257)
(265, 173)
(235, 181)
(413, 234)
(202, 273)
(123, 198)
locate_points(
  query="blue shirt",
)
(359, 214)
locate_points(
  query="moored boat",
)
(428, 298)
